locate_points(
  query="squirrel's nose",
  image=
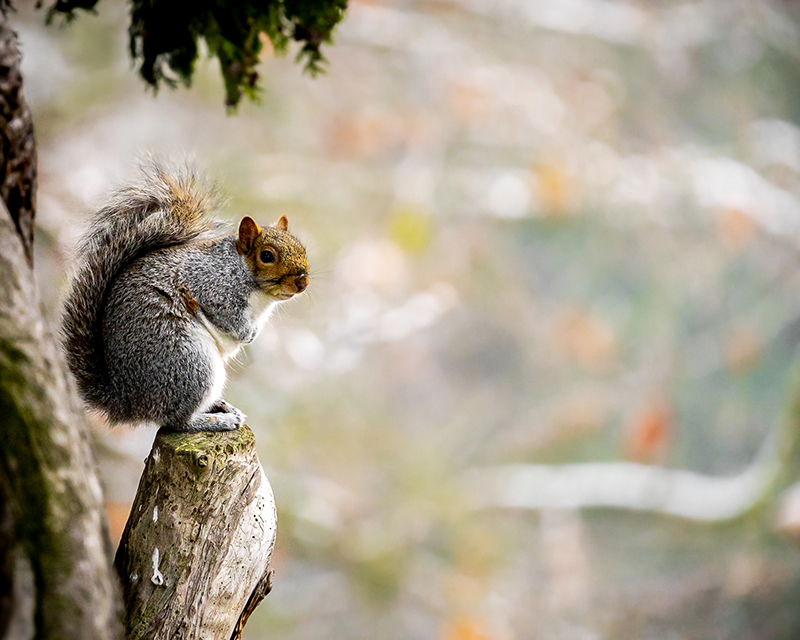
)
(301, 282)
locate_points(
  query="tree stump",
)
(194, 557)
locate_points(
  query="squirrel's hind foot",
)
(219, 421)
(220, 406)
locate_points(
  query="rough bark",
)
(55, 558)
(194, 557)
(17, 144)
(56, 579)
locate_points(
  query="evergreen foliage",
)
(164, 37)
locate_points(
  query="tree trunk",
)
(194, 557)
(55, 572)
(17, 144)
(55, 561)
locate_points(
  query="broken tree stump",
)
(194, 557)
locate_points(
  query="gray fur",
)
(158, 370)
(153, 267)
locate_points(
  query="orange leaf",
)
(364, 135)
(586, 338)
(647, 438)
(555, 189)
(464, 628)
(736, 228)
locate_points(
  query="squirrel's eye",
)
(267, 257)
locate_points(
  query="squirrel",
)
(163, 296)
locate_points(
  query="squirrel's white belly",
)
(218, 348)
(218, 376)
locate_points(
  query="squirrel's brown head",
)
(276, 258)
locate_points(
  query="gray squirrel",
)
(163, 297)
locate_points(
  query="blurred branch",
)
(638, 487)
(622, 485)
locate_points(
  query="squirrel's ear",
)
(248, 232)
(283, 223)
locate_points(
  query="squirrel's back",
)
(168, 206)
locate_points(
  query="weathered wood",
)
(262, 591)
(56, 579)
(194, 557)
(17, 144)
(55, 561)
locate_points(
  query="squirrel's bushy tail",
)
(167, 207)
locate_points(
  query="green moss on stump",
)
(198, 492)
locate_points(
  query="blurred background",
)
(541, 383)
